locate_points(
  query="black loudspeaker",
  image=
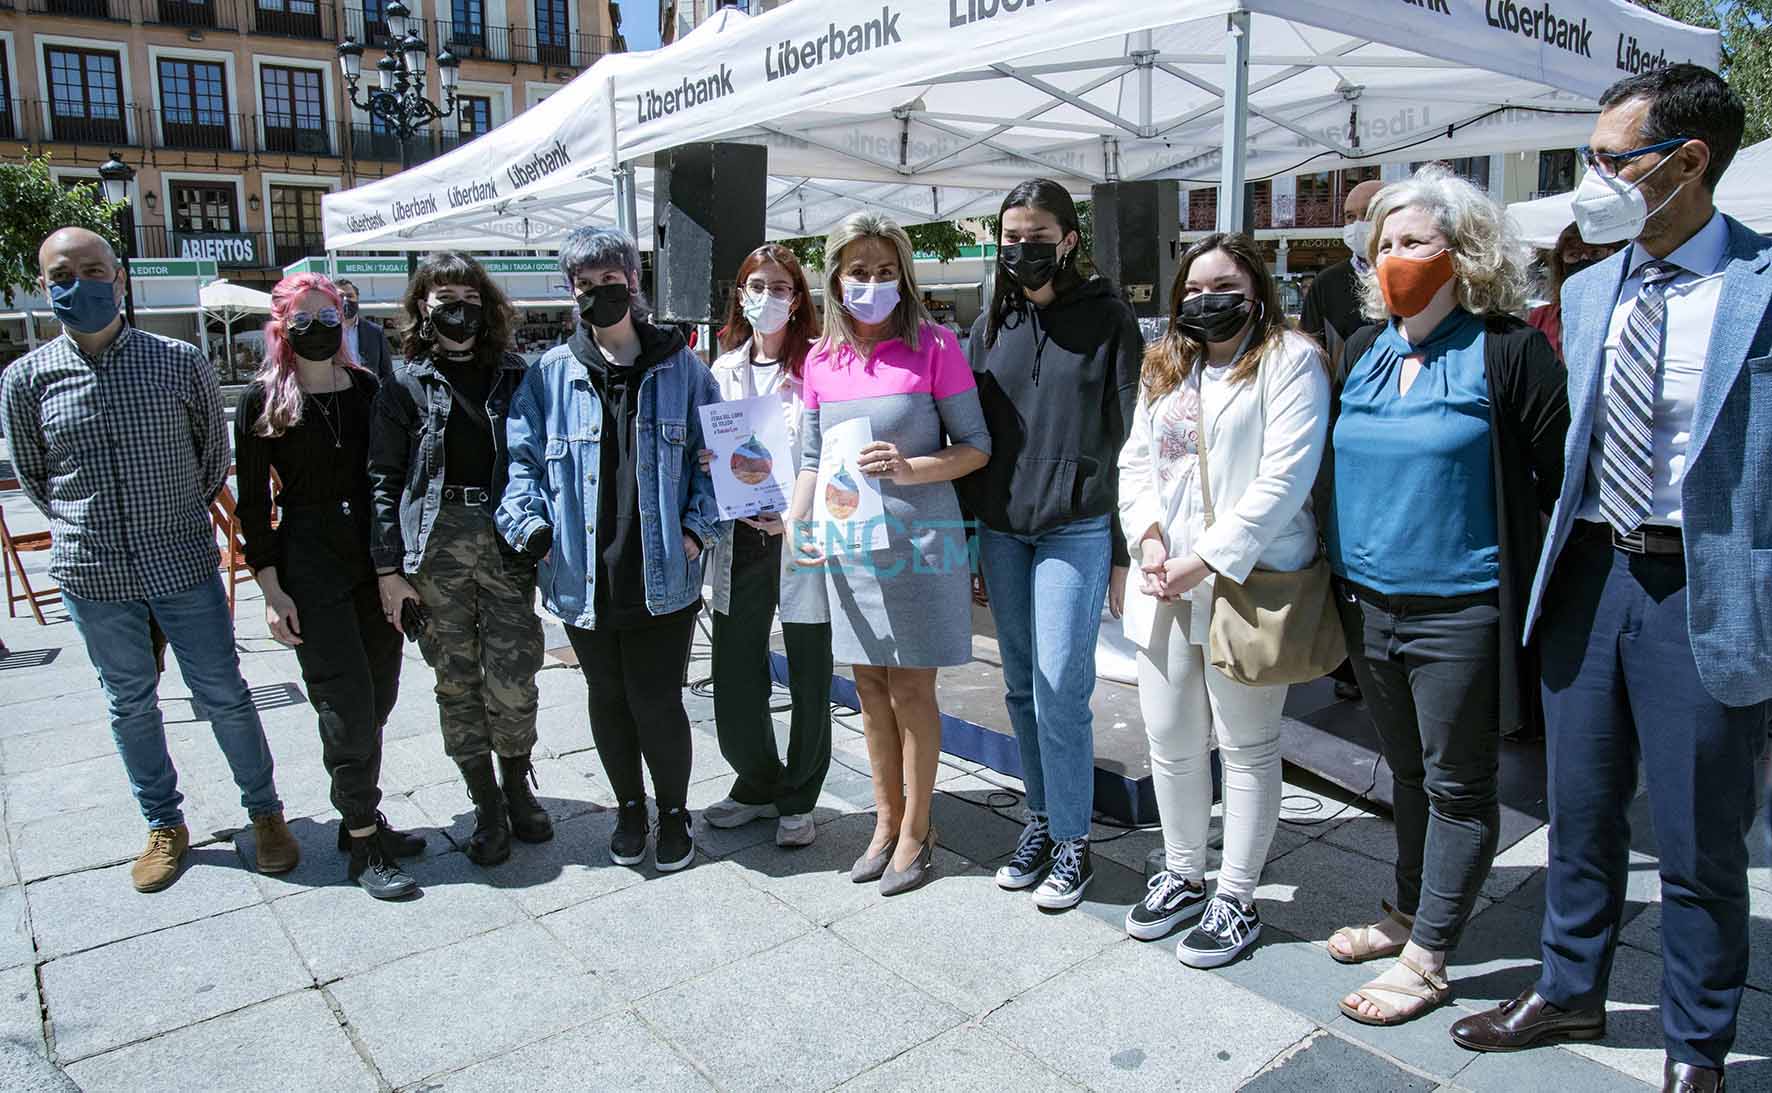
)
(1137, 227)
(708, 205)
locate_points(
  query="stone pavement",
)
(756, 969)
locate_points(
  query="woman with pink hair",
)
(305, 418)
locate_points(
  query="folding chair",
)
(13, 545)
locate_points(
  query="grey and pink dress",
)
(909, 605)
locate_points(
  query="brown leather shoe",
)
(158, 864)
(1524, 1022)
(1686, 1078)
(278, 851)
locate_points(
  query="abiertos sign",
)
(233, 249)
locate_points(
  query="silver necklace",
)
(326, 412)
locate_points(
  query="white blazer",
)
(1264, 441)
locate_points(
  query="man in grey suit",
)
(1653, 599)
(366, 338)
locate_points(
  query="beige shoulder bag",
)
(1276, 627)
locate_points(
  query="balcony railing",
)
(116, 11)
(474, 41)
(315, 19)
(369, 29)
(195, 14)
(200, 130)
(556, 48)
(293, 246)
(284, 137)
(82, 123)
(371, 143)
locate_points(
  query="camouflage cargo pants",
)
(484, 640)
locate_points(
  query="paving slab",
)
(1316, 889)
(98, 906)
(84, 839)
(21, 1011)
(1327, 1064)
(100, 780)
(15, 928)
(1545, 1068)
(200, 970)
(1497, 958)
(1518, 864)
(833, 1013)
(969, 1057)
(292, 1042)
(974, 970)
(447, 1008)
(717, 842)
(55, 747)
(814, 880)
(416, 761)
(1186, 1030)
(709, 915)
(973, 831)
(341, 930)
(618, 1052)
(572, 867)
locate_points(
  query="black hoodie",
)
(1058, 390)
(620, 597)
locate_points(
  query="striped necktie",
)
(1627, 464)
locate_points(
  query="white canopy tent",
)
(1744, 192)
(937, 106)
(229, 303)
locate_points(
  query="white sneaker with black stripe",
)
(1223, 933)
(1069, 875)
(1168, 902)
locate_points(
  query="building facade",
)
(234, 113)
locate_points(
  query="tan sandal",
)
(1355, 937)
(1437, 992)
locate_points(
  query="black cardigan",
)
(1528, 417)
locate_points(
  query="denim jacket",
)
(406, 456)
(554, 435)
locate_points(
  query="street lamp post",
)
(400, 99)
(115, 176)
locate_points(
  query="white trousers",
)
(1186, 704)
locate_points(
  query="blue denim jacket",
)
(554, 434)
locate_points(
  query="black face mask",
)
(457, 320)
(318, 342)
(1214, 316)
(606, 305)
(1031, 265)
(1573, 268)
(349, 308)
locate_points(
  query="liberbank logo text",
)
(789, 57)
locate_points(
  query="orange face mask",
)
(1409, 284)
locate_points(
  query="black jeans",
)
(349, 654)
(635, 679)
(742, 686)
(1430, 669)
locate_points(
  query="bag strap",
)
(1205, 481)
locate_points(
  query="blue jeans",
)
(200, 630)
(1046, 595)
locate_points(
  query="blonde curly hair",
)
(1489, 262)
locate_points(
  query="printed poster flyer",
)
(753, 468)
(847, 508)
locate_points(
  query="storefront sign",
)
(229, 250)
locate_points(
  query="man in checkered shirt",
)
(119, 436)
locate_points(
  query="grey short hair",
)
(1489, 262)
(910, 317)
(602, 248)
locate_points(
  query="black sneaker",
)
(1224, 931)
(628, 845)
(396, 844)
(676, 844)
(1168, 902)
(375, 872)
(1032, 857)
(1069, 875)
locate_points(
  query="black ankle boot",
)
(491, 841)
(375, 872)
(395, 844)
(529, 821)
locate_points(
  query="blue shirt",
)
(1413, 511)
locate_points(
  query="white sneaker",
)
(795, 830)
(727, 813)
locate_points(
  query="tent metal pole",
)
(627, 203)
(1236, 122)
(202, 321)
